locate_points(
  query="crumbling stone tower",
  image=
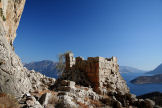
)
(70, 60)
(102, 73)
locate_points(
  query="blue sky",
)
(128, 29)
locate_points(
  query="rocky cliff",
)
(11, 11)
(14, 78)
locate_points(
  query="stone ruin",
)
(102, 74)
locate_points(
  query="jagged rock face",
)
(14, 78)
(12, 11)
(101, 73)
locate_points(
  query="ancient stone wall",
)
(103, 73)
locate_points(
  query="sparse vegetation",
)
(82, 105)
(8, 101)
(53, 100)
(2, 14)
(61, 63)
(97, 104)
(4, 18)
(106, 101)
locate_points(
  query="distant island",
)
(155, 78)
(148, 79)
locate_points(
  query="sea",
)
(140, 89)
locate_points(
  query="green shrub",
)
(2, 15)
(4, 18)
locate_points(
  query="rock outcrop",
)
(14, 78)
(155, 96)
(11, 11)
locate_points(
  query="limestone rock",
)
(29, 101)
(152, 103)
(14, 78)
(45, 98)
(12, 11)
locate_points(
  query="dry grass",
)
(86, 89)
(40, 93)
(77, 86)
(53, 100)
(8, 101)
(98, 104)
(86, 99)
(82, 105)
(106, 100)
(47, 91)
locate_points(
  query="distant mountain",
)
(45, 67)
(148, 79)
(157, 70)
(48, 68)
(127, 69)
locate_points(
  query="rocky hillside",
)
(92, 83)
(46, 67)
(155, 96)
(148, 79)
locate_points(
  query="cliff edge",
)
(14, 78)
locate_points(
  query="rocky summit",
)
(91, 83)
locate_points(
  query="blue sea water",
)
(142, 88)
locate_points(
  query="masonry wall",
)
(97, 69)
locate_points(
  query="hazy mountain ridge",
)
(128, 69)
(157, 70)
(46, 67)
